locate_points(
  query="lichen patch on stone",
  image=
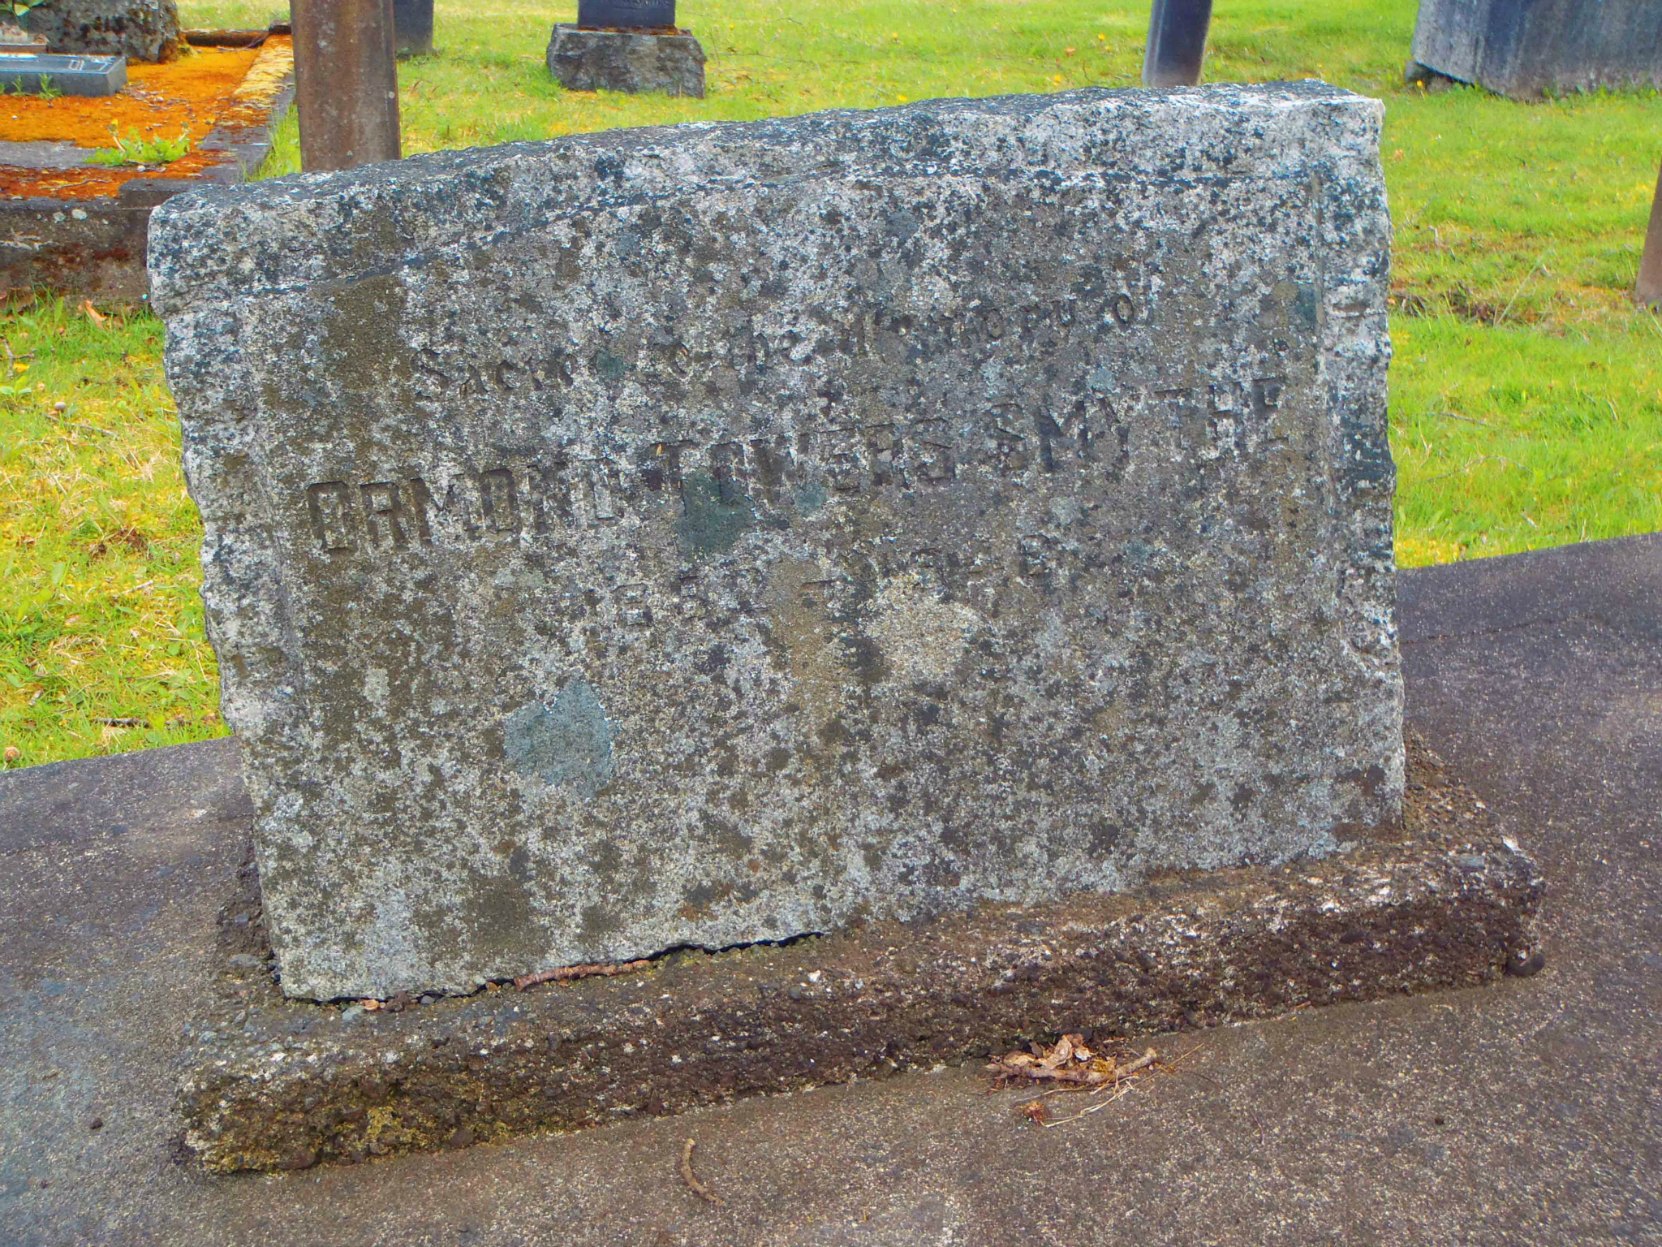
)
(566, 743)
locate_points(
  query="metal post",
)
(1649, 290)
(346, 81)
(1176, 42)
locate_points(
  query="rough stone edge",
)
(229, 245)
(1447, 903)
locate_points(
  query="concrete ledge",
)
(275, 1084)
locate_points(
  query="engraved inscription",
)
(578, 488)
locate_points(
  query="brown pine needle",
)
(691, 1179)
(1098, 1076)
(563, 974)
(1084, 1077)
(1123, 1090)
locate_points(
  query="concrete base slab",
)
(1521, 1113)
(627, 60)
(279, 1084)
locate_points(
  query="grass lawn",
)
(1526, 395)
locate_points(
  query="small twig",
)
(1454, 415)
(1148, 1058)
(691, 1179)
(122, 722)
(565, 973)
(1078, 1077)
(1082, 1077)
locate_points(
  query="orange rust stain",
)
(194, 94)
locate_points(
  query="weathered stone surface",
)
(712, 534)
(622, 60)
(140, 30)
(1449, 904)
(1524, 48)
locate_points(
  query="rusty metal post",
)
(1649, 290)
(346, 82)
(1176, 42)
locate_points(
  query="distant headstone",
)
(65, 75)
(1525, 48)
(626, 60)
(627, 45)
(713, 534)
(413, 27)
(140, 30)
(626, 14)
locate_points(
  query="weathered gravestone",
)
(413, 27)
(626, 45)
(140, 30)
(1525, 48)
(718, 533)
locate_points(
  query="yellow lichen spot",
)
(382, 1119)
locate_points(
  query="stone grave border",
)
(96, 246)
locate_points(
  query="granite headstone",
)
(626, 14)
(712, 534)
